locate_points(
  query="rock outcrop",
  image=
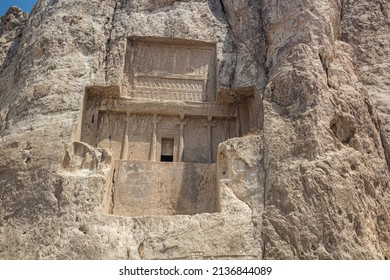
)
(11, 26)
(311, 181)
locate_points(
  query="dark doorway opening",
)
(166, 158)
(167, 145)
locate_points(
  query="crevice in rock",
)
(109, 40)
(325, 67)
(263, 250)
(343, 129)
(266, 73)
(58, 189)
(112, 205)
(373, 114)
(234, 44)
(262, 234)
(233, 76)
(224, 10)
(386, 148)
(384, 11)
(342, 10)
(263, 30)
(141, 252)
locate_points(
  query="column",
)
(152, 156)
(238, 125)
(125, 142)
(183, 122)
(210, 124)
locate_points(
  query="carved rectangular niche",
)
(157, 188)
(167, 69)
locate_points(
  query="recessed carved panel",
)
(169, 70)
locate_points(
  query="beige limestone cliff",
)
(286, 101)
(11, 26)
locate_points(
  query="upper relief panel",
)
(233, 27)
(166, 69)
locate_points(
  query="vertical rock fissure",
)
(342, 6)
(265, 170)
(112, 206)
(386, 148)
(234, 45)
(58, 189)
(263, 150)
(266, 70)
(108, 44)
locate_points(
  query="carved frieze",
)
(168, 88)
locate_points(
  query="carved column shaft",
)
(210, 124)
(152, 156)
(125, 142)
(238, 124)
(183, 123)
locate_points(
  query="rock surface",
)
(313, 183)
(11, 26)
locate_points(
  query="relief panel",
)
(170, 70)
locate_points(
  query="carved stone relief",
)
(169, 70)
(163, 128)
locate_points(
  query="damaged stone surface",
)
(310, 180)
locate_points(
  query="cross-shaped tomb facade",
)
(162, 127)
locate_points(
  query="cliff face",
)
(312, 182)
(327, 178)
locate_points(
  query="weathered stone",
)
(271, 115)
(11, 27)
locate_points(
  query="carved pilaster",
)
(210, 124)
(183, 122)
(125, 142)
(153, 149)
